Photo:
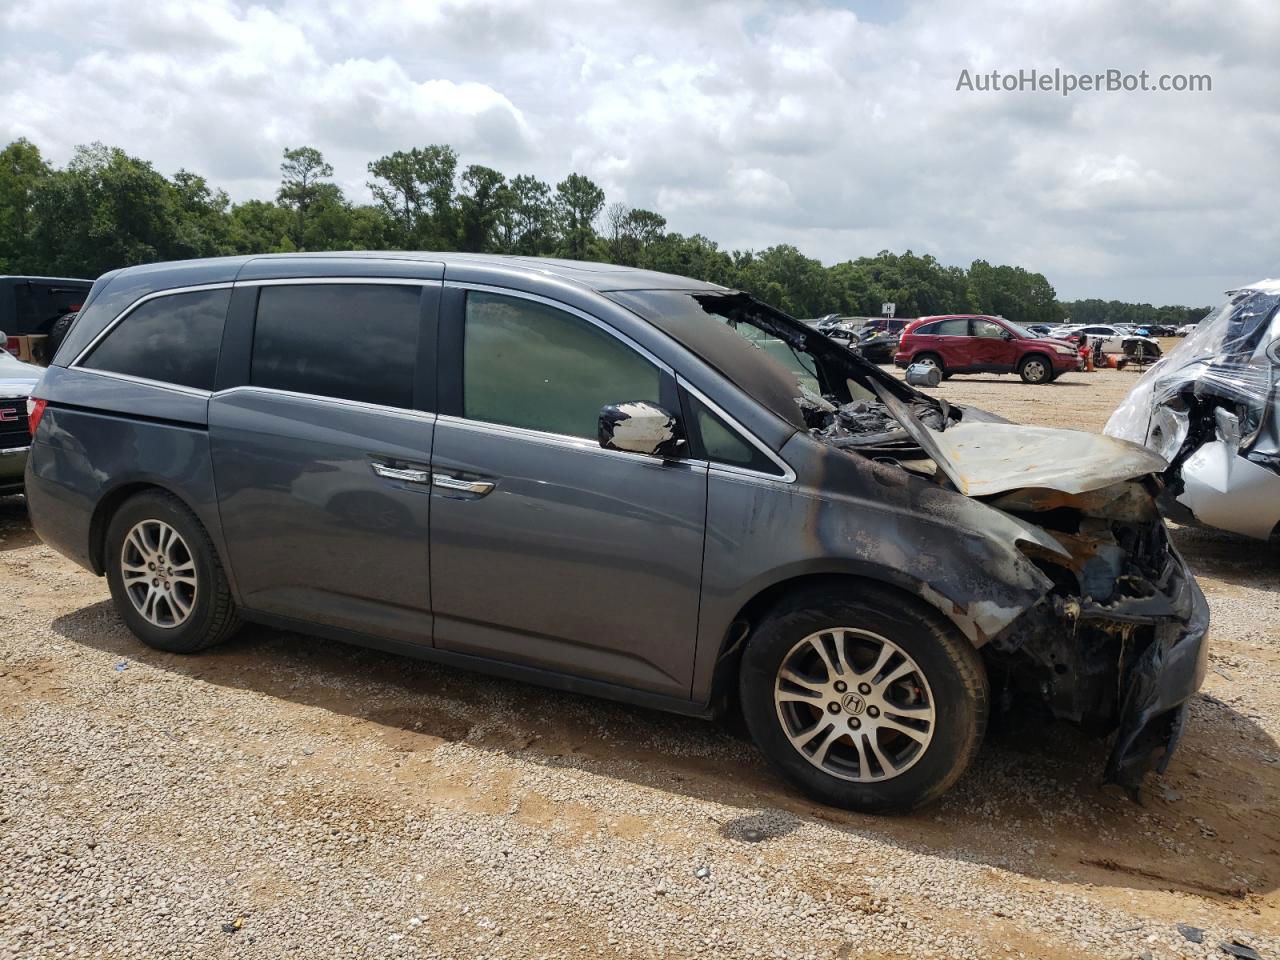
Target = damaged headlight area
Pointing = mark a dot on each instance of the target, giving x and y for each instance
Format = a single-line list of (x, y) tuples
[(1212, 409), (1118, 643)]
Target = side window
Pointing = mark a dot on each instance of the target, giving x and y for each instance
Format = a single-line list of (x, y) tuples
[(349, 341), (988, 329), (529, 365), (722, 444), (173, 339), (951, 328)]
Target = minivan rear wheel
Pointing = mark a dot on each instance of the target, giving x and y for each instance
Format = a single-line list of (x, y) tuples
[(165, 577), (869, 702)]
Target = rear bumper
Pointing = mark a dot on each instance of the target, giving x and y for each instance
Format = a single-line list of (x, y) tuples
[(13, 462), (1159, 683), (60, 514)]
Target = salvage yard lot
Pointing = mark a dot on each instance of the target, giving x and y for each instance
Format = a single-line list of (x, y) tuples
[(287, 796)]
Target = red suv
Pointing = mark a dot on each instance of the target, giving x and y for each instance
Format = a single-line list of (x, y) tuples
[(963, 343)]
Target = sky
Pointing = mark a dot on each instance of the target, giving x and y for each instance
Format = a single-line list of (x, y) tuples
[(837, 127)]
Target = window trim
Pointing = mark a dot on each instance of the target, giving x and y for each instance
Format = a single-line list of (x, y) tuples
[(582, 443), (426, 333), (123, 314), (408, 412), (666, 375), (788, 474), (608, 328)]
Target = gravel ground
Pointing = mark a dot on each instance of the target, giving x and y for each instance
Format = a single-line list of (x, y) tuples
[(286, 796)]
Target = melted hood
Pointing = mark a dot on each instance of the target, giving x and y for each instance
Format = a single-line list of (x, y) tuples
[(984, 459)]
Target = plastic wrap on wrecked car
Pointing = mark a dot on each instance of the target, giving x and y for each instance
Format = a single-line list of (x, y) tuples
[(1211, 408), (1230, 355)]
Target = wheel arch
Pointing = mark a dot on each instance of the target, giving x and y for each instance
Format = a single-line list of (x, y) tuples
[(723, 694), (107, 507), (1038, 355)]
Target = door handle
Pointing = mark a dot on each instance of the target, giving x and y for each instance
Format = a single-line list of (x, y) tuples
[(446, 482), (407, 474)]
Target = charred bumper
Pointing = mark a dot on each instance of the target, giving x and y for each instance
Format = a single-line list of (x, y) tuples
[(1161, 680), (1163, 655)]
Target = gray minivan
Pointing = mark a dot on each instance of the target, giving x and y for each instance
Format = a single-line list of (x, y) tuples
[(615, 482)]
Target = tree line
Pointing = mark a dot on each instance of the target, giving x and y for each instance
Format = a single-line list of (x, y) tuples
[(107, 209)]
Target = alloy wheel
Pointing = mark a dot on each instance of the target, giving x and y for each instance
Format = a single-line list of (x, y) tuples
[(854, 704), (158, 571)]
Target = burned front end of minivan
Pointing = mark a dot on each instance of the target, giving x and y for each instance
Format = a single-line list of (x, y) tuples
[(1212, 409), (1117, 640), (1044, 547)]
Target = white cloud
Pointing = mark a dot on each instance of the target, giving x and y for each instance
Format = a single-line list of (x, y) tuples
[(836, 127)]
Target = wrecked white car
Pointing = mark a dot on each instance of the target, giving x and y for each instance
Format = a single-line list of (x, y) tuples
[(1211, 408)]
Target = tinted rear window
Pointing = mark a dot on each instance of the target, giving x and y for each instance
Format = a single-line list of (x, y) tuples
[(349, 341), (173, 339)]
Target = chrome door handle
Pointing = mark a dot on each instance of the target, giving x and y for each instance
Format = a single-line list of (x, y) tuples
[(479, 487), (407, 474)]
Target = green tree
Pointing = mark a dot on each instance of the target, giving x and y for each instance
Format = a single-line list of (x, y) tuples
[(526, 221), (694, 256), (260, 226), (106, 209), (577, 204), (202, 227), (1013, 292), (399, 184), (22, 168), (480, 207), (303, 186)]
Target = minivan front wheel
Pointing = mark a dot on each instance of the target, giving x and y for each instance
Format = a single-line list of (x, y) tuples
[(165, 577), (866, 702)]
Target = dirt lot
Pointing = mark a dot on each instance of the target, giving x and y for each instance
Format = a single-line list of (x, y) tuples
[(286, 796)]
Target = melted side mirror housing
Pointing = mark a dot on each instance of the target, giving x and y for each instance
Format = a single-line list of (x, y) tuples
[(638, 427)]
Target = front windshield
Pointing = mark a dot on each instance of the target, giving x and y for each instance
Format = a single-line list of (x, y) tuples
[(800, 365), (771, 357)]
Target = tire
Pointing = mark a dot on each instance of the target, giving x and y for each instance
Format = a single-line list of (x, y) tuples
[(188, 606), (1035, 369), (58, 333), (942, 671), (933, 360)]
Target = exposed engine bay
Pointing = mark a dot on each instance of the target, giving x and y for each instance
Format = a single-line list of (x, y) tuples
[(1116, 640)]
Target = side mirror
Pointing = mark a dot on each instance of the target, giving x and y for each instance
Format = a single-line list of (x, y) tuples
[(638, 427), (1006, 335)]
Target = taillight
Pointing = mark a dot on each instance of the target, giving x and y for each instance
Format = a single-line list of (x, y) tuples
[(13, 345), (35, 410)]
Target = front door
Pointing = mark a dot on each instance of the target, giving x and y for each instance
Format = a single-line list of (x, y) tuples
[(321, 458), (546, 549), (990, 347)]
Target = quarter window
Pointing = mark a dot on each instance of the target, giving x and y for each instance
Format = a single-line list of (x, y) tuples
[(722, 444), (526, 364), (173, 339), (349, 341)]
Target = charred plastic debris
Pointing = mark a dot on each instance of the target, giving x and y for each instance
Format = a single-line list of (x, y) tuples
[(1211, 408), (1116, 640)]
